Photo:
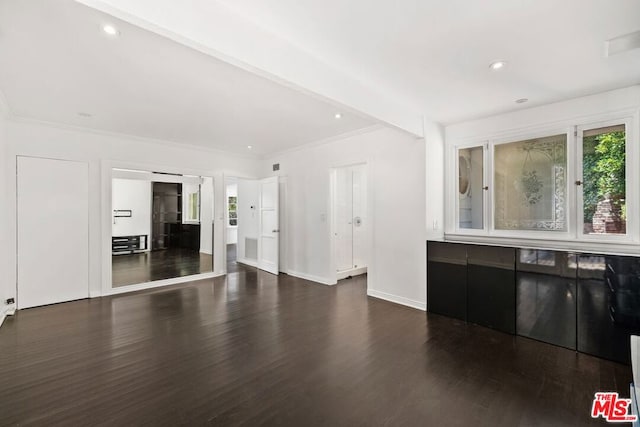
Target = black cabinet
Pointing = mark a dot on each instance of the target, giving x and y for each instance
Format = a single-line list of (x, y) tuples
[(588, 302), (608, 305), (491, 290), (546, 296), (128, 244), (447, 278)]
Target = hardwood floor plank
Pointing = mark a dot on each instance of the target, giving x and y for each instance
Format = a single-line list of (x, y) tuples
[(255, 349)]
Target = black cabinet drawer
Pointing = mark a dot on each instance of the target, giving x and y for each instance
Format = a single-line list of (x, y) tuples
[(491, 294), (447, 279), (608, 305)]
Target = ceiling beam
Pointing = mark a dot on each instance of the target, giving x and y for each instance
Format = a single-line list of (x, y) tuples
[(212, 28)]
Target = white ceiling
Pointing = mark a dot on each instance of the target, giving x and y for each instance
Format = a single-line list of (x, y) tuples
[(435, 54), (395, 61), (56, 62)]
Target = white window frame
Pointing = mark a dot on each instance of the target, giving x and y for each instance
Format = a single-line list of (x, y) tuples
[(229, 212), (570, 191), (573, 239), (631, 176), (186, 205), (456, 166)]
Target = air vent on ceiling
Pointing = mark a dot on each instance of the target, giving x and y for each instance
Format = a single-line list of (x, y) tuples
[(276, 167)]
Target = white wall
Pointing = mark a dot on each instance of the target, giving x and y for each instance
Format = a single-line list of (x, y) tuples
[(207, 207), (434, 161), (396, 207), (103, 151), (557, 113), (133, 195), (248, 218), (232, 231), (7, 286)]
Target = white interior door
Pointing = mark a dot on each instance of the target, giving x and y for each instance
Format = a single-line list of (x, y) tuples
[(52, 231), (360, 221), (269, 227), (343, 211)]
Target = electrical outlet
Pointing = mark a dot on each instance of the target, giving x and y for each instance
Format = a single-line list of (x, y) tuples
[(10, 301)]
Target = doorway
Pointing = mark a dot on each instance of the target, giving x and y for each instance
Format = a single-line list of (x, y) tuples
[(350, 220), (252, 223)]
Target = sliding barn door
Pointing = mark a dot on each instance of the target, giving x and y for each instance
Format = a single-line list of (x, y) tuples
[(52, 230)]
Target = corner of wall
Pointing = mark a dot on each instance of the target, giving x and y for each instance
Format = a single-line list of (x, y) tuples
[(434, 176)]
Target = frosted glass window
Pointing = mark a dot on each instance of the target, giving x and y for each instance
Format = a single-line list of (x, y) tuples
[(530, 184), (470, 188), (604, 191)]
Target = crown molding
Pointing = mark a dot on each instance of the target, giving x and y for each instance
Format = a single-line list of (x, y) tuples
[(119, 135)]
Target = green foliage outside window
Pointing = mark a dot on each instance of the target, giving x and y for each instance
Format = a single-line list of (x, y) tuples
[(604, 171)]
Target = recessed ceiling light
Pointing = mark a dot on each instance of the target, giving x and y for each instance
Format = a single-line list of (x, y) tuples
[(498, 65), (521, 100), (249, 147), (338, 116), (111, 30)]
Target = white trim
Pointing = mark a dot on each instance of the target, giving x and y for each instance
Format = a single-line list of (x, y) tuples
[(120, 135), (107, 172), (455, 192), (570, 153), (631, 179), (352, 272), (8, 310), (572, 238), (247, 262), (158, 284), (573, 245), (368, 165), (397, 299), (312, 278)]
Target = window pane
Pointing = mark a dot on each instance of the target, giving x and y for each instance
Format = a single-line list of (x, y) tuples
[(193, 206), (531, 184), (470, 182), (604, 182)]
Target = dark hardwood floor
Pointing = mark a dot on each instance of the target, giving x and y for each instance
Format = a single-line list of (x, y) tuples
[(232, 265), (255, 349), (130, 269)]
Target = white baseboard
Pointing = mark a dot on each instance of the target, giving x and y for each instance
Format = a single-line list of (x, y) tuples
[(353, 272), (397, 299), (160, 283), (8, 310), (248, 262), (311, 277)]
